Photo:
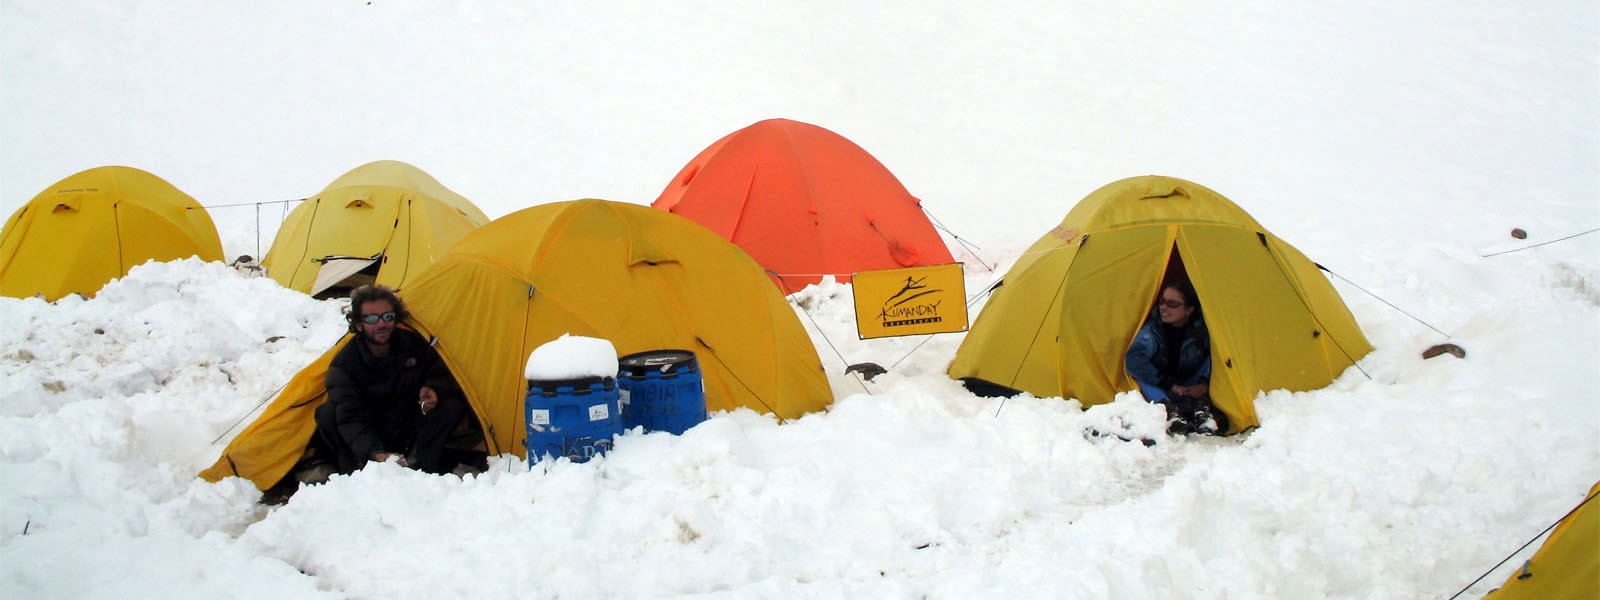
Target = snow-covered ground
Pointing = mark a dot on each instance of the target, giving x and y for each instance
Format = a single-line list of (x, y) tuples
[(1394, 143)]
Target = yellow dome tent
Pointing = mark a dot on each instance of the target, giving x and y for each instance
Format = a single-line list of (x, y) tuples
[(1061, 322), (642, 278), (382, 222), (92, 227)]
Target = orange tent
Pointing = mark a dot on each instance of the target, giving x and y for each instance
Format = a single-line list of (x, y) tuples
[(804, 202)]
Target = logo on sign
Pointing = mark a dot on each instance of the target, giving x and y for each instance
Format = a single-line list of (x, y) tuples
[(914, 304)]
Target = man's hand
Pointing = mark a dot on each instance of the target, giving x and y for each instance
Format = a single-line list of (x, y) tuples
[(427, 399), (399, 459)]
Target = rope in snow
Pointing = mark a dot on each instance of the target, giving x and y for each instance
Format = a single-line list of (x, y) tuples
[(250, 203), (782, 275), (1524, 546), (1284, 270), (971, 249), (251, 412), (913, 350), (970, 301), (1380, 298), (986, 291), (823, 334), (262, 402), (1540, 244), (896, 363), (735, 374), (285, 204)]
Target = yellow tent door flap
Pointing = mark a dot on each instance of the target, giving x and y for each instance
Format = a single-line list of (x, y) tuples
[(336, 270)]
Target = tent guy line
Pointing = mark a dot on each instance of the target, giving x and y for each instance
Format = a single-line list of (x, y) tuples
[(818, 328), (1525, 545), (1380, 298), (257, 206), (973, 248), (258, 405), (209, 207), (1541, 243)]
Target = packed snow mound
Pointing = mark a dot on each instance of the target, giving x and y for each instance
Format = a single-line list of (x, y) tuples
[(184, 323)]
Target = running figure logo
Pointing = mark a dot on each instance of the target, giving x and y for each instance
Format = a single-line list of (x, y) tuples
[(899, 309)]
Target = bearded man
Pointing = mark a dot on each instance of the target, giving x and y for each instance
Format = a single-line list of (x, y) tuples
[(390, 395)]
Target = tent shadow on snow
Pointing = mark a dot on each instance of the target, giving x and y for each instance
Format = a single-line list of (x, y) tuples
[(642, 278), (804, 202), (1061, 321), (382, 222), (91, 227)]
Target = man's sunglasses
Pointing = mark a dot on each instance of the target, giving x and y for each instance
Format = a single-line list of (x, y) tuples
[(387, 317), (1163, 302)]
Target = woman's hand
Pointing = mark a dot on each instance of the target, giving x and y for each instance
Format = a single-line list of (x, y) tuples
[(1193, 391)]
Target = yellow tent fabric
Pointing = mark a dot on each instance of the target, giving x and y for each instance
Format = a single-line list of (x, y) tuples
[(644, 279), (1061, 322), (385, 210), (1567, 565), (92, 227)]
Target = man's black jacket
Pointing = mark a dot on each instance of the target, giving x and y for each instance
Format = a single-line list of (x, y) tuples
[(375, 399)]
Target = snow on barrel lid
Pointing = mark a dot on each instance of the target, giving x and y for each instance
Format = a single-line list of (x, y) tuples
[(572, 357)]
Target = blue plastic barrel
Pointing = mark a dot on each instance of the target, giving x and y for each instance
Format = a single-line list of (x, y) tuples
[(576, 418), (662, 391)]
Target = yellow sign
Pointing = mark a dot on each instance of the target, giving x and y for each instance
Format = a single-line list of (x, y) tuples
[(910, 301)]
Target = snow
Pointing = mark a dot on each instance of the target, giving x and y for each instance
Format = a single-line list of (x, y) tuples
[(1395, 143), (571, 357)]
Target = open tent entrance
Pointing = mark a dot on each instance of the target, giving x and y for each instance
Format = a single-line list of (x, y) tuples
[(1175, 273), (464, 448), (983, 388), (341, 274)]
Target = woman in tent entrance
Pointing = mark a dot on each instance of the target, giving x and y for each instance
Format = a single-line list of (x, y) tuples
[(1171, 361)]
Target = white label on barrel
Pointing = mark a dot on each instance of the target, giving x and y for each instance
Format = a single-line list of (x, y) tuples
[(599, 412), (541, 417)]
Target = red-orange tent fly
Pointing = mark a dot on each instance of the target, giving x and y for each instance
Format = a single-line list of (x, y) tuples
[(804, 202)]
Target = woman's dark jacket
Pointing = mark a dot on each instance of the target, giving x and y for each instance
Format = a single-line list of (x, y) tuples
[(1147, 357)]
